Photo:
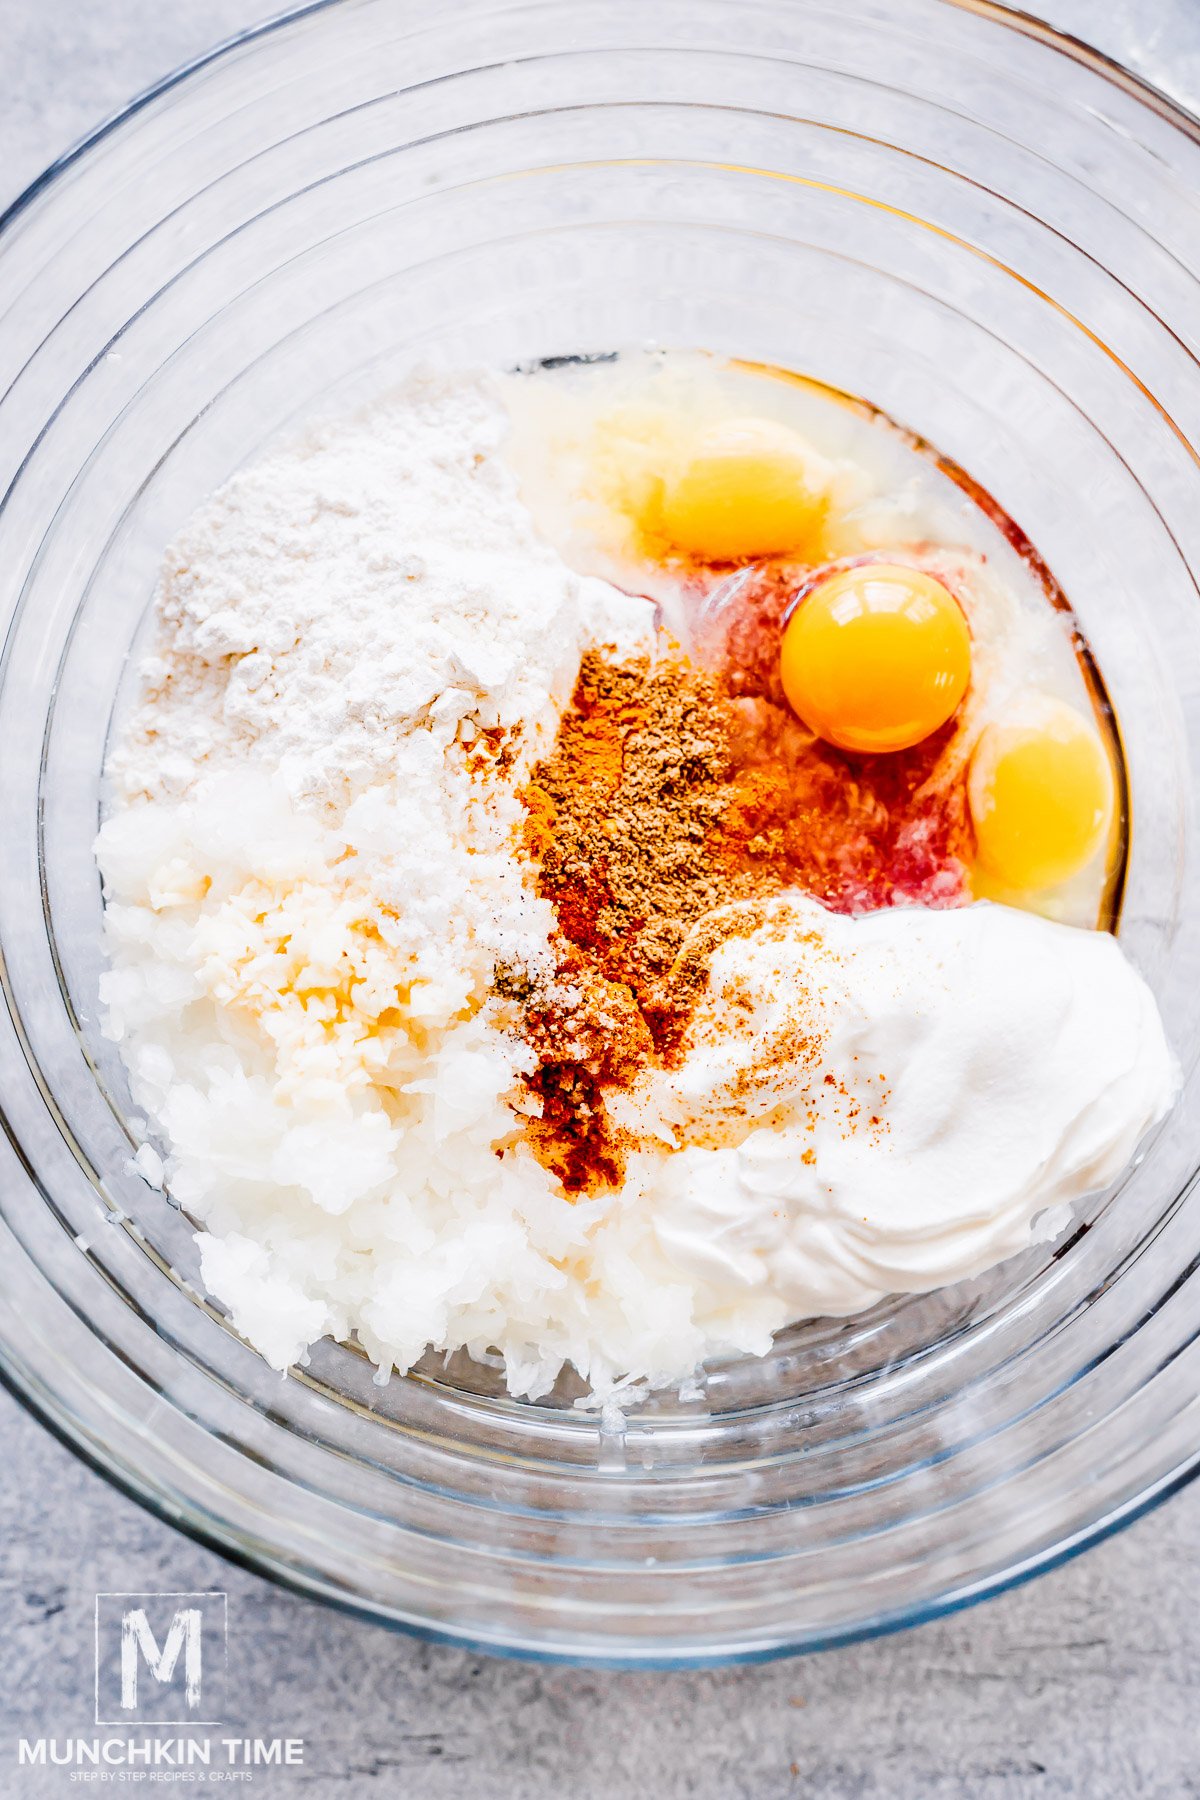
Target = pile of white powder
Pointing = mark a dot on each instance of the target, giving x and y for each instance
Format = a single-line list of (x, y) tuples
[(311, 877)]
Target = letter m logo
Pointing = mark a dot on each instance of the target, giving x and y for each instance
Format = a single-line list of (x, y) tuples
[(138, 1644), (160, 1658)]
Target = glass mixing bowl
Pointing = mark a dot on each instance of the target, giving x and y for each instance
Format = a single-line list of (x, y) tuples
[(986, 230)]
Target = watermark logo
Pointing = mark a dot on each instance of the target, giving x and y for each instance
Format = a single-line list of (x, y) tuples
[(161, 1658), (160, 1663)]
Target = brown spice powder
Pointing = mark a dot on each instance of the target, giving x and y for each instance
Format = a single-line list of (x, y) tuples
[(625, 819), (623, 816)]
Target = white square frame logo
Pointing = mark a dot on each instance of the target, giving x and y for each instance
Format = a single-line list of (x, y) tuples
[(209, 1595)]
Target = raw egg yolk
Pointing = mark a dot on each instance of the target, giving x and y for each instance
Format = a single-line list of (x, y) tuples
[(876, 657), (1040, 789), (744, 488)]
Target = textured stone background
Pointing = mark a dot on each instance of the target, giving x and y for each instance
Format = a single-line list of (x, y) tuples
[(1084, 1684)]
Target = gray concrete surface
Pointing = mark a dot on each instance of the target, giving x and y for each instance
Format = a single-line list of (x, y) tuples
[(1084, 1684)]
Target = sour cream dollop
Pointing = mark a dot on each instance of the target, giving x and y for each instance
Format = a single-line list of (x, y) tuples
[(889, 1103)]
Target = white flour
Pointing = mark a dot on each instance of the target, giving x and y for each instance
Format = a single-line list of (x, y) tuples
[(311, 877), (378, 576)]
